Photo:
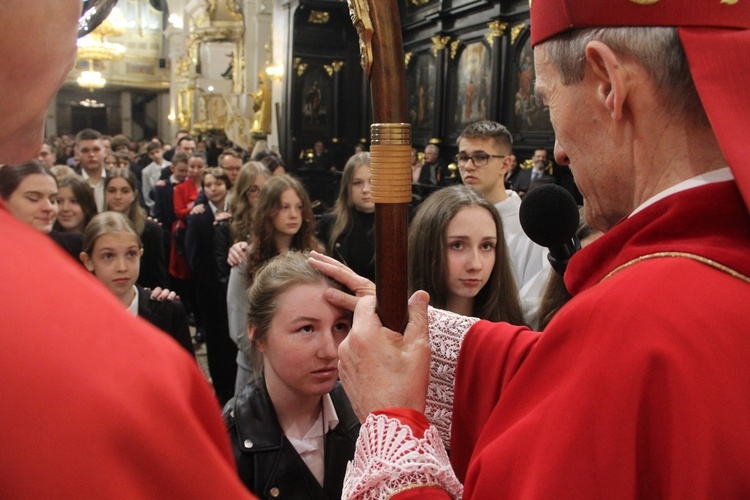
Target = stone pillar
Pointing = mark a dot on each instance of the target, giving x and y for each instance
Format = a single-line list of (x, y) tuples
[(126, 114), (177, 62), (50, 126), (163, 124)]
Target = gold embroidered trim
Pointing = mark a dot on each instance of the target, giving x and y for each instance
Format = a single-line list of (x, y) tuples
[(414, 486), (691, 256)]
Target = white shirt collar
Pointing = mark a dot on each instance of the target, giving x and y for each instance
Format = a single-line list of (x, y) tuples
[(721, 175), (85, 174), (133, 307), (311, 448), (215, 209)]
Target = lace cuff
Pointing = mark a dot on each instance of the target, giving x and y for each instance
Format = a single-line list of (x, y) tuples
[(447, 331), (389, 459)]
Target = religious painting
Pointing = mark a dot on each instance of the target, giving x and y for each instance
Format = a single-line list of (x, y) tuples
[(316, 102), (420, 84), (529, 114), (470, 86)]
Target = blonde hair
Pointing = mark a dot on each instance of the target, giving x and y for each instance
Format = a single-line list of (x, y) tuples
[(239, 206), (344, 207), (106, 223)]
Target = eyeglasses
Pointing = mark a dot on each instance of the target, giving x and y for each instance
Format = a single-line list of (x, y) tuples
[(93, 14), (479, 159)]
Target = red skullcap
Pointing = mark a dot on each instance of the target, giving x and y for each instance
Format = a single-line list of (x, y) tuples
[(716, 37)]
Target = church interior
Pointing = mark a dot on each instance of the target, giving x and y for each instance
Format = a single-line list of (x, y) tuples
[(289, 72)]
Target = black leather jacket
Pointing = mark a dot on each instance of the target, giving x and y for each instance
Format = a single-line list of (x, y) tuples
[(267, 462)]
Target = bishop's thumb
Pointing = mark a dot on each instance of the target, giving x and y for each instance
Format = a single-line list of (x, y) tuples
[(417, 329)]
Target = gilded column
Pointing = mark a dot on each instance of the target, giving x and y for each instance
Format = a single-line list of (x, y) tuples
[(499, 49)]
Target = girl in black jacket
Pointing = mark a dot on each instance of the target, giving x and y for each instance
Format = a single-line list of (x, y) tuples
[(347, 231), (112, 252), (292, 427), (121, 195)]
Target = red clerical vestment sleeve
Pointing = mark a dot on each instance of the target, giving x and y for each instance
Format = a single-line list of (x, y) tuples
[(97, 403), (494, 354)]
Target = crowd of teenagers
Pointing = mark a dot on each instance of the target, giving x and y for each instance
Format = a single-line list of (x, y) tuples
[(232, 242)]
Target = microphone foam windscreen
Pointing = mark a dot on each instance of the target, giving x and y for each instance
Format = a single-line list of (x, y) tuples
[(549, 215)]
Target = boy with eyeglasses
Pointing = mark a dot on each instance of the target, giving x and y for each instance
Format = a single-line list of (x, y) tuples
[(483, 159)]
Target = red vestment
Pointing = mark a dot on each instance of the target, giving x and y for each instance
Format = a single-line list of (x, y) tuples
[(96, 403), (640, 386)]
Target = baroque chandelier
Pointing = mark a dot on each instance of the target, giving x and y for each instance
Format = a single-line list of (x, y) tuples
[(95, 47)]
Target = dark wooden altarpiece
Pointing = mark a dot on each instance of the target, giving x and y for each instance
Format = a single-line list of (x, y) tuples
[(465, 60)]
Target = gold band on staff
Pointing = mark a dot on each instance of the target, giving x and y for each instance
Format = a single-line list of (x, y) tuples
[(390, 160)]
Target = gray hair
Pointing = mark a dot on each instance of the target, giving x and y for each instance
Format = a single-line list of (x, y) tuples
[(658, 50)]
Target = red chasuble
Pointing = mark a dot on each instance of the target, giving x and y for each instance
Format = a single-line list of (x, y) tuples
[(96, 403), (640, 386)]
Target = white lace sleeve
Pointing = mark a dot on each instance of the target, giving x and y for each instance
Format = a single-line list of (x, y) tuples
[(390, 459), (447, 331)]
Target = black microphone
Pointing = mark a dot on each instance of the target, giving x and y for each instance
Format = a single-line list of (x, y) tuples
[(549, 217)]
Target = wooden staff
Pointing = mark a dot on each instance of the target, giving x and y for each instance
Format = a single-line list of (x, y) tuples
[(382, 56)]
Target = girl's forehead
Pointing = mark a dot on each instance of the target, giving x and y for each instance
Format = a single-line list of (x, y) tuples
[(117, 237), (119, 181), (308, 295)]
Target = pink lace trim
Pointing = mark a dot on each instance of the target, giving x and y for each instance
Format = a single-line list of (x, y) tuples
[(390, 459)]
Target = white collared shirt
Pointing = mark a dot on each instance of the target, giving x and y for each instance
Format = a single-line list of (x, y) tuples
[(528, 261), (216, 210), (311, 448), (133, 307), (98, 188)]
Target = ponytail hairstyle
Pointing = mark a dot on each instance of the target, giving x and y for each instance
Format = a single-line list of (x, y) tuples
[(275, 277)]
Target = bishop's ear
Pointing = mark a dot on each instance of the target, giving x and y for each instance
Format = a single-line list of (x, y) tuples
[(610, 77)]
